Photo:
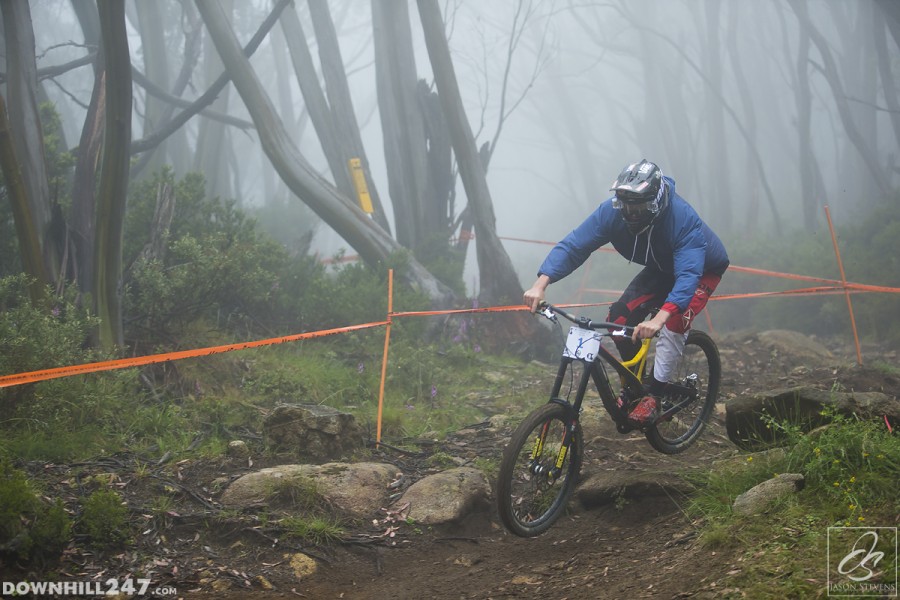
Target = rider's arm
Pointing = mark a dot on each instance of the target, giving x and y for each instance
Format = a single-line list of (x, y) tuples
[(535, 295), (571, 252), (647, 329)]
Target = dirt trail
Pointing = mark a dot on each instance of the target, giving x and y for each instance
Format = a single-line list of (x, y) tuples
[(640, 546)]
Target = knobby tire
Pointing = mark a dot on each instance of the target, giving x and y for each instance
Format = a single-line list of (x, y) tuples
[(528, 502), (700, 357)]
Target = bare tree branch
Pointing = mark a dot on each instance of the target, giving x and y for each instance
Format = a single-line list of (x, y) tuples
[(153, 140)]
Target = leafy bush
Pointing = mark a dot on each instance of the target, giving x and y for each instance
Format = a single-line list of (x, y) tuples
[(216, 267), (222, 269), (851, 463), (105, 519), (851, 468), (29, 528), (52, 419)]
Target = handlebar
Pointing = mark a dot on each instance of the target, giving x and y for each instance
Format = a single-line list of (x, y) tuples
[(550, 311)]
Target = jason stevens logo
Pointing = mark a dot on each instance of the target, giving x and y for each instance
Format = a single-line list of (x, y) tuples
[(862, 561)]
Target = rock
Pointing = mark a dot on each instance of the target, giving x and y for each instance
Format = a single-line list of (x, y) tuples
[(608, 487), (801, 405), (796, 349), (446, 497), (319, 433), (759, 497), (357, 490), (237, 449), (495, 377)]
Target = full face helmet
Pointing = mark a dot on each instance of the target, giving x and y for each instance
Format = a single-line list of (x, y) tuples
[(640, 194)]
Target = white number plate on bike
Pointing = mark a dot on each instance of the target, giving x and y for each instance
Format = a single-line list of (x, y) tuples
[(582, 344)]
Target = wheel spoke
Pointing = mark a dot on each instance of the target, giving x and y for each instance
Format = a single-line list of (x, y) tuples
[(532, 492), (698, 374)]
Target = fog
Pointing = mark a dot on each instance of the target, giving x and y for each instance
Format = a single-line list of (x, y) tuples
[(719, 94)]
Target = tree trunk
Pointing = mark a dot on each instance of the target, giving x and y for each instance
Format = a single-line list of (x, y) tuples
[(803, 102), (208, 97), (499, 281), (715, 121), (832, 77), (346, 128), (156, 68), (26, 233), (364, 235), (82, 216), (316, 102), (885, 70), (751, 213), (213, 138), (402, 123), (113, 187), (25, 126), (890, 10)]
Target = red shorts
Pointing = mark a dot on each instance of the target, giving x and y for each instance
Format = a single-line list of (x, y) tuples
[(649, 289), (680, 323)]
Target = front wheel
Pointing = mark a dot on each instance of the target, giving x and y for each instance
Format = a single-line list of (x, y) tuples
[(698, 375), (536, 477)]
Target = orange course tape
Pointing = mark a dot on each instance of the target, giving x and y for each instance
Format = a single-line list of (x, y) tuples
[(834, 287), (20, 378)]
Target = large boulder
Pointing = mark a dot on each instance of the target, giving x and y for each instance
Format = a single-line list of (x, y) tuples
[(314, 432), (793, 349), (446, 497), (608, 487), (748, 418), (356, 490)]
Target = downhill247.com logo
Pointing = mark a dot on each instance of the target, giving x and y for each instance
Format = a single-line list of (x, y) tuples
[(110, 587)]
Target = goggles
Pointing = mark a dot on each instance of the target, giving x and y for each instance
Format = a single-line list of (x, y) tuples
[(635, 207)]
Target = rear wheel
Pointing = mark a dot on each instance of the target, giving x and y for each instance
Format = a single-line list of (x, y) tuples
[(534, 486), (698, 374)]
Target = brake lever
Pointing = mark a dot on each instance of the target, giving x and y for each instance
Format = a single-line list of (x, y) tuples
[(549, 314)]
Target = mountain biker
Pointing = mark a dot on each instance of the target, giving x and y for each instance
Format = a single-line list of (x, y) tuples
[(647, 222)]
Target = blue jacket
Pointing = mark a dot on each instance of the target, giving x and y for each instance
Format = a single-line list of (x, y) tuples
[(678, 243)]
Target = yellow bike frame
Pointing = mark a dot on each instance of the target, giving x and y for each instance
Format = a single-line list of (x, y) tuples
[(636, 364)]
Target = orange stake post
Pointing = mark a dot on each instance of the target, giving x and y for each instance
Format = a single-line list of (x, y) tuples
[(384, 358), (840, 263)]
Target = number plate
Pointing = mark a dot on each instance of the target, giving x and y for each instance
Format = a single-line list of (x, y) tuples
[(582, 344)]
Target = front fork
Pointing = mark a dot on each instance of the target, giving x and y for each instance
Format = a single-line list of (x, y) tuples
[(538, 467)]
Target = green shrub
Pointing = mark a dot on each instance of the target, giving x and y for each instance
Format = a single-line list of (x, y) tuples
[(851, 467), (104, 519), (852, 464), (29, 528), (50, 419)]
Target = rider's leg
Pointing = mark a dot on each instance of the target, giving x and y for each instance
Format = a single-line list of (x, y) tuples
[(669, 349), (647, 290), (674, 334)]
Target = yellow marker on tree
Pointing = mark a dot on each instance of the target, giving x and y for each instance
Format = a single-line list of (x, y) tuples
[(359, 182)]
